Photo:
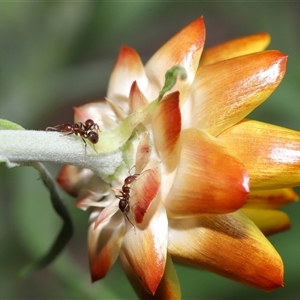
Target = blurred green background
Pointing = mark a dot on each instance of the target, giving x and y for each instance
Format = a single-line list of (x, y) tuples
[(57, 55)]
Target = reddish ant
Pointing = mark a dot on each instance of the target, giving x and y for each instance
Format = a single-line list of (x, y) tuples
[(87, 130), (124, 204)]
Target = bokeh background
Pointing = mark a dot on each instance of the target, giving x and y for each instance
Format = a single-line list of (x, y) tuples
[(57, 55)]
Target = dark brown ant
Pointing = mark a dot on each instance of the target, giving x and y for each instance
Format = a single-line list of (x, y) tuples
[(124, 204), (87, 130)]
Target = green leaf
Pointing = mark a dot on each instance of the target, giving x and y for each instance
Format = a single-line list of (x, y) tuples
[(5, 124), (171, 78)]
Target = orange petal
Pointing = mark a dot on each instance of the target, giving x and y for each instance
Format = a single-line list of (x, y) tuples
[(168, 288), (225, 92), (183, 49), (236, 47), (267, 220), (208, 179), (146, 249), (166, 123), (144, 191), (229, 245), (128, 68), (136, 98), (270, 199), (104, 245), (270, 153)]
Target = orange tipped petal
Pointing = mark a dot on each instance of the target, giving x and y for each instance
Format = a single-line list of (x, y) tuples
[(166, 125), (128, 68), (133, 279), (87, 198), (236, 47), (104, 245), (225, 92), (270, 153), (142, 153), (267, 220), (72, 179), (229, 245), (270, 199), (208, 180), (146, 249), (183, 49), (144, 192), (136, 98), (107, 213), (119, 110), (168, 288), (98, 111)]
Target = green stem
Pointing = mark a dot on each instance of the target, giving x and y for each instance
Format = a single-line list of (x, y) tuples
[(19, 146), (67, 229)]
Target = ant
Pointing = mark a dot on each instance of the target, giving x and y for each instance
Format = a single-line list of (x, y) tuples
[(124, 204), (87, 130)]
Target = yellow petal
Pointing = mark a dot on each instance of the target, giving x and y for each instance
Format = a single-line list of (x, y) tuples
[(270, 199), (166, 124), (267, 220), (225, 92), (128, 68), (104, 245), (229, 245), (270, 153), (183, 49), (168, 288), (146, 249), (208, 179), (236, 47)]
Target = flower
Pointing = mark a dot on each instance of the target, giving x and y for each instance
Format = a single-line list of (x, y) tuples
[(207, 182)]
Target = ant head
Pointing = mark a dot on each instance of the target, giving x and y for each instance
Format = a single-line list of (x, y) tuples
[(89, 123)]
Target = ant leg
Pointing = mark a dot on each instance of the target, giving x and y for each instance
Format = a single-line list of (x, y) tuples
[(97, 128), (94, 148), (55, 128), (130, 169), (129, 220), (67, 133)]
